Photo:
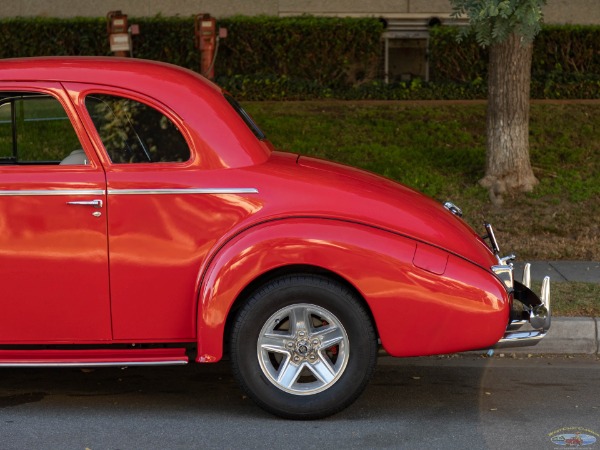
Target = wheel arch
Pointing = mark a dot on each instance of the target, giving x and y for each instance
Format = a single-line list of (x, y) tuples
[(291, 269), (336, 249)]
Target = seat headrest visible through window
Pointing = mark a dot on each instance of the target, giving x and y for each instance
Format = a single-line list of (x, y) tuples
[(75, 157)]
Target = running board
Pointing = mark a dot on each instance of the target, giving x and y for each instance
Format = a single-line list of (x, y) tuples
[(93, 357)]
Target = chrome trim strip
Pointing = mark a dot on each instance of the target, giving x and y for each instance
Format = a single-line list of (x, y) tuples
[(506, 259), (527, 276), (215, 191), (50, 192), (516, 325), (492, 238), (545, 298), (54, 192), (520, 338), (505, 273), (95, 364)]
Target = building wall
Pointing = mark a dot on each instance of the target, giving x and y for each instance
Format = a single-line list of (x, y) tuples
[(139, 8), (557, 11)]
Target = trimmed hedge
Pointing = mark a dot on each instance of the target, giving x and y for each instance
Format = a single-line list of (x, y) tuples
[(330, 51), (48, 37), (270, 58), (168, 39), (563, 49), (162, 39), (251, 87)]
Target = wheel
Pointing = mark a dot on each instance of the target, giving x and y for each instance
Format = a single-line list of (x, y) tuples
[(303, 347)]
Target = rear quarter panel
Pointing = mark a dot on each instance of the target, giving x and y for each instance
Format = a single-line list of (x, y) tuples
[(415, 311)]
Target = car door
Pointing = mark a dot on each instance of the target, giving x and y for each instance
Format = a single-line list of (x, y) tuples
[(165, 211), (53, 230), (155, 234)]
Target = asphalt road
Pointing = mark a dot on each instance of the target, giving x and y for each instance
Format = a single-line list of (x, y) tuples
[(418, 403)]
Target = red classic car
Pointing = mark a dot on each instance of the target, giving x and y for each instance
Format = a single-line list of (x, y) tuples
[(146, 220)]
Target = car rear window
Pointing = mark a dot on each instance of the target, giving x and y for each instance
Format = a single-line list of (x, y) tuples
[(133, 132)]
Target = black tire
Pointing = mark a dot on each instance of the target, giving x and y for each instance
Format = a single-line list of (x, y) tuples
[(303, 376)]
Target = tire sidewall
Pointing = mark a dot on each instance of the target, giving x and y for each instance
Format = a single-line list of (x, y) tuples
[(309, 290)]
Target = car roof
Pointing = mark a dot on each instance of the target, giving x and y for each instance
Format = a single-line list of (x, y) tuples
[(94, 69), (180, 89)]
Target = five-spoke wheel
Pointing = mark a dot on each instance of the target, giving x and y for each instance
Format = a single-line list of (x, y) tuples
[(303, 346), (303, 349)]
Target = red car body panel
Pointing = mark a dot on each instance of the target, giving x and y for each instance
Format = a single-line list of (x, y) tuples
[(379, 266), (170, 267), (52, 256)]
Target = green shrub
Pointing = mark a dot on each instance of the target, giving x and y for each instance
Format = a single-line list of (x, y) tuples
[(168, 39), (302, 58), (563, 49), (567, 49), (328, 51), (49, 37), (453, 62)]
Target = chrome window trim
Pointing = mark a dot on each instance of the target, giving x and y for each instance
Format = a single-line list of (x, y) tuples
[(183, 191), (49, 192)]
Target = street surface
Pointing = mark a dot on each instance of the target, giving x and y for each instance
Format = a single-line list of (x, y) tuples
[(418, 403)]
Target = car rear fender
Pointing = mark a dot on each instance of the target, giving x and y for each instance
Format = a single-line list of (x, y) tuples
[(379, 265)]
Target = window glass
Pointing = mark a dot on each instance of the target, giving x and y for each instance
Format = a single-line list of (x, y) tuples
[(6, 132), (35, 129), (133, 132)]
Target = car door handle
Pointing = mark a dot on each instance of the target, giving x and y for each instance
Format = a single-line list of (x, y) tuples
[(94, 203)]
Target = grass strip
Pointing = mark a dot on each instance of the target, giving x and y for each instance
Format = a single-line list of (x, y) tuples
[(439, 148), (573, 299)]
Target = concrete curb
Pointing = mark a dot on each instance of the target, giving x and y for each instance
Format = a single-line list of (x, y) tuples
[(567, 335)]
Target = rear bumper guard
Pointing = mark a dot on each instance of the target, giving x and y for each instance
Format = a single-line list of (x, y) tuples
[(529, 311)]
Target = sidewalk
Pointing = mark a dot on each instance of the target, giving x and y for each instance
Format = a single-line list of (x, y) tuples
[(567, 335), (585, 271)]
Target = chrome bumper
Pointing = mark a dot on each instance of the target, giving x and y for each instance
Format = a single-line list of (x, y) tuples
[(536, 313)]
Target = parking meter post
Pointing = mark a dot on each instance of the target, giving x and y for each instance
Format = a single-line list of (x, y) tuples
[(205, 30), (119, 34), (133, 30)]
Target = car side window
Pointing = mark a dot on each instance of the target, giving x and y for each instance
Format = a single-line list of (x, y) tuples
[(35, 129), (133, 132)]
